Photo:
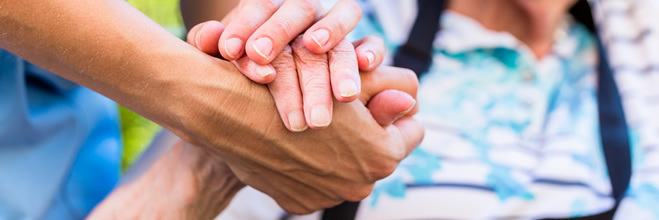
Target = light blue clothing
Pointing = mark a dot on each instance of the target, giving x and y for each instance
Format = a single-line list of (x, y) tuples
[(60, 144)]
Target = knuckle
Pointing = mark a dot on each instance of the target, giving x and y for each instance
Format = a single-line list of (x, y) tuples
[(343, 47), (358, 193), (409, 76), (268, 5), (298, 45), (287, 51), (284, 59), (307, 59), (308, 8), (353, 6), (342, 28), (383, 169), (289, 91), (375, 40), (316, 85), (283, 27)]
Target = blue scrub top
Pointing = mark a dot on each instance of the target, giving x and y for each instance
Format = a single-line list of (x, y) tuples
[(60, 145)]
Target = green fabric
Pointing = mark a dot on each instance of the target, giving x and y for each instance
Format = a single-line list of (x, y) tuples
[(137, 131)]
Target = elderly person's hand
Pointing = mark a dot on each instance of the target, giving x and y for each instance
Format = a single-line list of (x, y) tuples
[(185, 183), (309, 101)]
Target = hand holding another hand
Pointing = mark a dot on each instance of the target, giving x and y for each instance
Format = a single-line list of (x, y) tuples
[(312, 170)]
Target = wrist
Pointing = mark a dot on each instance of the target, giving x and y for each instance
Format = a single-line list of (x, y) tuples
[(185, 183)]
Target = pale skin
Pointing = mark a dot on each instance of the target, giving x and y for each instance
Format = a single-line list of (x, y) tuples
[(252, 21), (531, 21), (110, 47)]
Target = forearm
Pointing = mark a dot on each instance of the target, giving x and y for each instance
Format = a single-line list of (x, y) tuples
[(197, 11), (107, 46), (185, 183)]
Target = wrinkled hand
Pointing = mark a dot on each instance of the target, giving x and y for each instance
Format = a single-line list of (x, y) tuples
[(309, 101), (309, 170), (185, 183)]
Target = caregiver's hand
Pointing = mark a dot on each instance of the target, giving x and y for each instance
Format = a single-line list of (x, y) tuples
[(305, 81), (314, 169)]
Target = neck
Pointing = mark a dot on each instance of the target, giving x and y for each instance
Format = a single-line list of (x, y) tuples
[(532, 22)]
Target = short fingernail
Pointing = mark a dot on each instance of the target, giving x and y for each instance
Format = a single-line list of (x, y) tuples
[(296, 121), (320, 36), (348, 88), (403, 113), (198, 37), (320, 116), (370, 56), (263, 46), (233, 47), (264, 70)]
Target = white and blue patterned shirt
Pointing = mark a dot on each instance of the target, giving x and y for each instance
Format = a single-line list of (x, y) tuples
[(510, 136)]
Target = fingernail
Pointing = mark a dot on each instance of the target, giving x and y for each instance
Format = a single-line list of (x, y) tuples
[(320, 116), (198, 37), (264, 70), (296, 121), (320, 36), (263, 46), (370, 56), (403, 113), (233, 47), (348, 88)]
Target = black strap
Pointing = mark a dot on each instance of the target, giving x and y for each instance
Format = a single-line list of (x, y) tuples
[(613, 129), (416, 54), (343, 211), (614, 134)]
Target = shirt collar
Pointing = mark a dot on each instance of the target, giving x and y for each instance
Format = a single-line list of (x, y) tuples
[(461, 33)]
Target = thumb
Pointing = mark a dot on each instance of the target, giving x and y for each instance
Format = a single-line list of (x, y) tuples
[(387, 78), (390, 105)]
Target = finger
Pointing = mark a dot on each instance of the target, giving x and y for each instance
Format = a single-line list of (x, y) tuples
[(248, 17), (286, 92), (289, 21), (313, 73), (204, 36), (385, 78), (344, 72), (229, 17), (333, 27), (370, 52), (263, 74), (390, 105), (409, 132)]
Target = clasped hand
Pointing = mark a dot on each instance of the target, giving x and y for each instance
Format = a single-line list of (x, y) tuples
[(305, 170)]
